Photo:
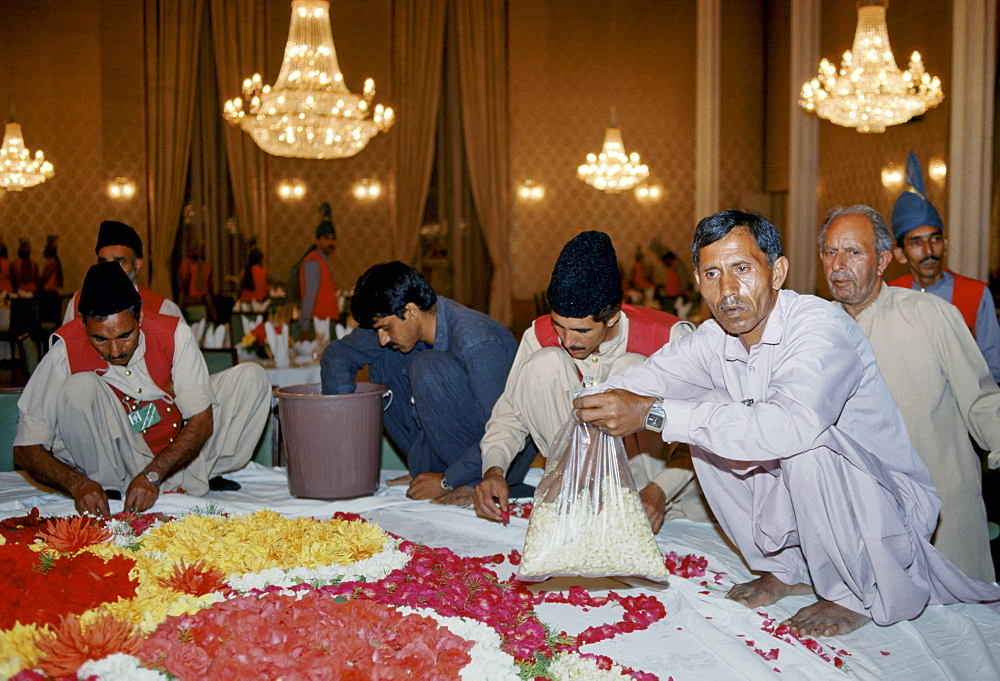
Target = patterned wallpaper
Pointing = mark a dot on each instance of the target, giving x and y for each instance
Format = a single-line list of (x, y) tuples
[(570, 63), (74, 72)]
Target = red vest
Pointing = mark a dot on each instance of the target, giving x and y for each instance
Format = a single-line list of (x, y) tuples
[(198, 274), (159, 333), (325, 305), (966, 295), (648, 330), (151, 302)]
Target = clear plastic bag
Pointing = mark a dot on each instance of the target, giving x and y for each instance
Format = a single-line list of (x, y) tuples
[(588, 519)]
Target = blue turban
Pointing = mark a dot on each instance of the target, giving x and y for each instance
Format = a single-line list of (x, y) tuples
[(585, 280), (912, 208)]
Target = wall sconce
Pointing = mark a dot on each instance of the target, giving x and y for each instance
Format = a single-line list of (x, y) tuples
[(367, 190), (648, 193), (121, 189), (530, 191), (937, 170), (892, 176), (292, 190)]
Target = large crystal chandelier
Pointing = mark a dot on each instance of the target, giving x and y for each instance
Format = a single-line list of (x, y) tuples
[(869, 91), (612, 170), (17, 169), (309, 112)]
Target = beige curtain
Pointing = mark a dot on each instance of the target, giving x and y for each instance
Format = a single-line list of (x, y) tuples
[(482, 54), (238, 40), (172, 28), (418, 40)]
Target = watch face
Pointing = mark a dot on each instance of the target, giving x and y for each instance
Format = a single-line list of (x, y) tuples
[(654, 422), (153, 477)]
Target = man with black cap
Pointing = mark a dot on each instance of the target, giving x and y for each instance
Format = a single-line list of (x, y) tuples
[(446, 366), (124, 403), (319, 290), (922, 247), (117, 242), (589, 336)]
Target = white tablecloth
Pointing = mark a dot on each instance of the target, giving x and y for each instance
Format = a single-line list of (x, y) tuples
[(704, 636)]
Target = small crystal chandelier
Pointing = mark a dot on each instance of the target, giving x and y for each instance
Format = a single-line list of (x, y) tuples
[(611, 170), (309, 112), (17, 169), (869, 92)]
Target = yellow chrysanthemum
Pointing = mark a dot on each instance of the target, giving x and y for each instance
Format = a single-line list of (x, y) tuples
[(264, 540), (18, 647)]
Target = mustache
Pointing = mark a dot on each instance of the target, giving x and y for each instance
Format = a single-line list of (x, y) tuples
[(841, 276), (929, 259), (730, 301)]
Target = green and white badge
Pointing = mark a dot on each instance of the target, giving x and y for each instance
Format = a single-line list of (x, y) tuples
[(144, 417)]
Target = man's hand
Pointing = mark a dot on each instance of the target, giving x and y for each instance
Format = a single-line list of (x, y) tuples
[(461, 496), (654, 502), (426, 486), (491, 495), (616, 412), (89, 497), (141, 494)]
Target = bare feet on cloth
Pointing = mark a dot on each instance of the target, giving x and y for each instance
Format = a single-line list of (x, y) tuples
[(462, 496), (401, 480), (765, 591), (825, 618)]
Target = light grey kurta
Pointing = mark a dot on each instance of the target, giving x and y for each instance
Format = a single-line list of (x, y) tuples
[(945, 391), (80, 420), (804, 457)]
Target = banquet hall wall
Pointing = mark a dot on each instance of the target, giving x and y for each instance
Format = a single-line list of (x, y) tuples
[(75, 72)]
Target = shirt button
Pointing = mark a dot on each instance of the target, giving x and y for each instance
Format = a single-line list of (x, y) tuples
[(138, 390), (168, 410), (128, 373), (753, 370)]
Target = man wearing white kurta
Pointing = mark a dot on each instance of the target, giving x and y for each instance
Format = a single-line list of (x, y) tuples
[(797, 442), (935, 371), (124, 402)]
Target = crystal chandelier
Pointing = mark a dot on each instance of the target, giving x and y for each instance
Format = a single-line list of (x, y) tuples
[(869, 92), (309, 112), (611, 170), (17, 169)]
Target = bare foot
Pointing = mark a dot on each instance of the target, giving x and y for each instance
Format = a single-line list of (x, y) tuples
[(825, 618), (463, 496), (401, 480), (765, 591)]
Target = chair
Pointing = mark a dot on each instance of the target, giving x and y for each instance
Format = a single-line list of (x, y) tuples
[(219, 359), (8, 426)]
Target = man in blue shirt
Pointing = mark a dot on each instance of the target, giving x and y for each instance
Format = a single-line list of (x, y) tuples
[(446, 366)]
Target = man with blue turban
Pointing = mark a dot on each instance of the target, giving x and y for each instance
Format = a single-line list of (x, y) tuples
[(922, 246)]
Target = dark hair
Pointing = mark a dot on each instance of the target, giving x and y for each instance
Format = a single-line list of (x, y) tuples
[(254, 258), (23, 249), (385, 289), (717, 227), (3, 250)]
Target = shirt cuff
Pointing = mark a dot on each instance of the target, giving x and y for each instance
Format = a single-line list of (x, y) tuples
[(31, 431), (495, 458)]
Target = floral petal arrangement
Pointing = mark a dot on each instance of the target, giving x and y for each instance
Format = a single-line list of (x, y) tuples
[(209, 595)]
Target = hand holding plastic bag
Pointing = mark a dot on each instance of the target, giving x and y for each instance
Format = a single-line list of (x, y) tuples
[(588, 519)]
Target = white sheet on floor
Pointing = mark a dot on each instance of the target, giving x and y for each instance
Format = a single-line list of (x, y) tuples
[(704, 636)]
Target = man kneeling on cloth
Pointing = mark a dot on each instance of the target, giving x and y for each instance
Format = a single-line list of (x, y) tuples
[(124, 403), (796, 440)]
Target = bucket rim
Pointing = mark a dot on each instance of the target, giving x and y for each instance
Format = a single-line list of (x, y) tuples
[(364, 389)]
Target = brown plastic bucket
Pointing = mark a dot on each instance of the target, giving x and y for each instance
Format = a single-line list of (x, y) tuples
[(333, 443)]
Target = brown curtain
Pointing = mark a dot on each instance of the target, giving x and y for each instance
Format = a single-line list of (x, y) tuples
[(173, 29), (238, 40), (418, 41), (482, 54)]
